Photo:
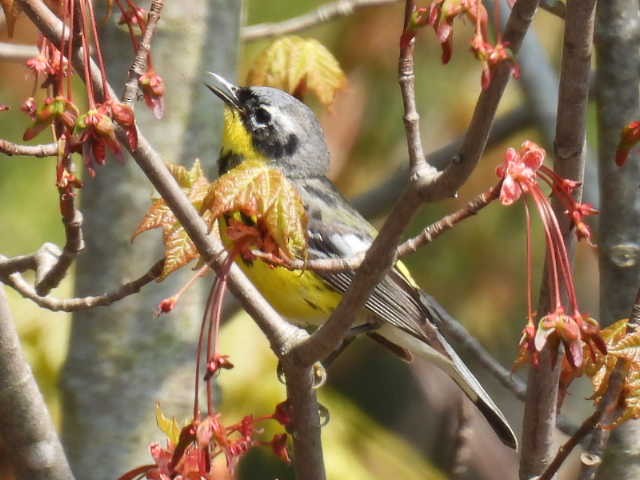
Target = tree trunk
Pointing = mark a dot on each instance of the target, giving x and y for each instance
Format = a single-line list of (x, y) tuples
[(618, 49), (122, 359)]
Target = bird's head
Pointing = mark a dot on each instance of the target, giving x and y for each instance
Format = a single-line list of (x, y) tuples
[(269, 124)]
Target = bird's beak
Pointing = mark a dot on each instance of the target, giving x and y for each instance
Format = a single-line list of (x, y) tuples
[(225, 90)]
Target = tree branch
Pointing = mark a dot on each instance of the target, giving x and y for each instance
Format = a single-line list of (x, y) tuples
[(377, 200), (456, 332), (324, 13), (475, 141), (18, 283), (381, 255), (606, 405), (540, 407), (27, 430), (411, 245), (72, 220), (279, 333), (139, 64), (10, 52), (44, 150)]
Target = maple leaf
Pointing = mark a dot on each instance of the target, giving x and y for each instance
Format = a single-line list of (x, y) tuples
[(297, 65), (622, 344), (266, 196), (11, 10), (179, 249)]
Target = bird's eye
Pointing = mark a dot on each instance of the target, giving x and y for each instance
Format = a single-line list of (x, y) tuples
[(262, 116)]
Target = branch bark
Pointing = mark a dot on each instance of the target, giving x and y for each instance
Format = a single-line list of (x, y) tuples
[(27, 429), (617, 79), (46, 150), (540, 406), (11, 52), (18, 283)]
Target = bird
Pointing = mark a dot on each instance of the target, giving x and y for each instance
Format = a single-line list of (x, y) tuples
[(268, 125)]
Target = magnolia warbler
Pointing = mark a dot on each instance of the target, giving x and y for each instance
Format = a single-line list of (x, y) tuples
[(267, 124)]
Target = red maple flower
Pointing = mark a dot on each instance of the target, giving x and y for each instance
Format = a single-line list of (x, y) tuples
[(152, 86), (94, 134), (521, 173)]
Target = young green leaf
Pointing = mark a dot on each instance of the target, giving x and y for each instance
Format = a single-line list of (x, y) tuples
[(297, 65), (273, 203), (179, 249)]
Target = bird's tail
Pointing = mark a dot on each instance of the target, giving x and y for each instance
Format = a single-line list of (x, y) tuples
[(452, 365)]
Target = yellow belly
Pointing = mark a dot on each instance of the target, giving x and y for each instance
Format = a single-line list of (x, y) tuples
[(302, 297)]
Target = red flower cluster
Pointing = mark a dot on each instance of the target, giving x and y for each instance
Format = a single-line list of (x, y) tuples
[(193, 453), (521, 172), (92, 133), (441, 14)]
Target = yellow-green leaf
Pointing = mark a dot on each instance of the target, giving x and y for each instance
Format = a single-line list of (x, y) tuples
[(297, 65), (628, 347), (159, 214), (186, 178), (168, 426), (268, 197), (179, 249)]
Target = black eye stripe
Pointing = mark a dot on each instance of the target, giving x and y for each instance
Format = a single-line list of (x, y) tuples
[(262, 116)]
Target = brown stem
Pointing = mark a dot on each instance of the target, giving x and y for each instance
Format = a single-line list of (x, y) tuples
[(307, 443), (380, 257)]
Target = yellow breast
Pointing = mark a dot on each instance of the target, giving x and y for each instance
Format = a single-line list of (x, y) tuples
[(303, 297)]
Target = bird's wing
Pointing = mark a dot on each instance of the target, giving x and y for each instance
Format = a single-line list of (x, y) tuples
[(337, 230)]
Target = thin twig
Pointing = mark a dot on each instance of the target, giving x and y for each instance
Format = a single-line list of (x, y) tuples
[(72, 220), (411, 245), (10, 52), (21, 263), (463, 440), (456, 332), (324, 13), (18, 283), (139, 65), (377, 200), (477, 134), (44, 150), (41, 261)]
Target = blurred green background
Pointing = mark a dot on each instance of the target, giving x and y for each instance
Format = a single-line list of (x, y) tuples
[(476, 271)]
